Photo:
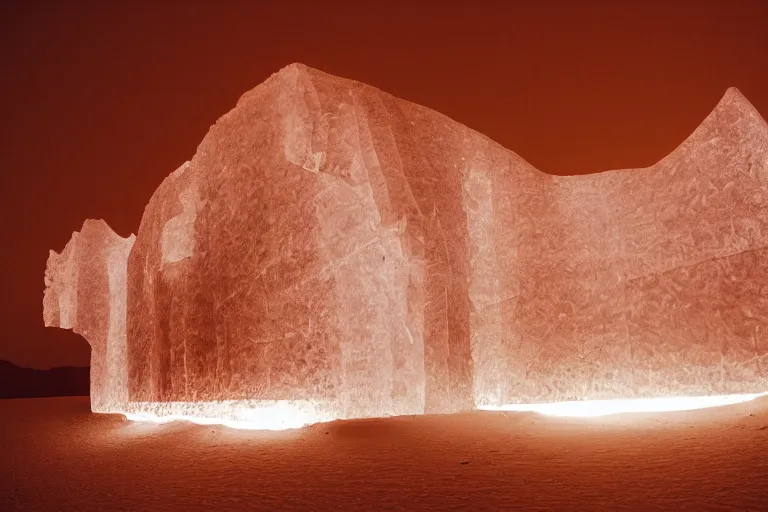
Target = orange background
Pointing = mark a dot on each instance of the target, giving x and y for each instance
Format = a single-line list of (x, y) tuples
[(102, 100)]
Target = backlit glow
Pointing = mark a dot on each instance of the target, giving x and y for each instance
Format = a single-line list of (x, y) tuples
[(291, 414), (593, 408), (249, 414)]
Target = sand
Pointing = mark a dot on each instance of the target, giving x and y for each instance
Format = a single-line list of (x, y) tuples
[(56, 455)]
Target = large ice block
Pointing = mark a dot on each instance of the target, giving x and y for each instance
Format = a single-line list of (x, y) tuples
[(335, 248)]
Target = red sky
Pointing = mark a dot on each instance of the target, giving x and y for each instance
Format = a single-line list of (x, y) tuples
[(102, 100)]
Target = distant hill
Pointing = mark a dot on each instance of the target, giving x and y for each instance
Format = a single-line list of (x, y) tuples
[(18, 382)]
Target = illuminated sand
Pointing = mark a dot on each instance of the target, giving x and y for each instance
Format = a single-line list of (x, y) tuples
[(331, 244), (56, 455), (283, 415), (243, 414), (592, 408)]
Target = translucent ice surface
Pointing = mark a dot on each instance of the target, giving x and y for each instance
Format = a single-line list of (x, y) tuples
[(330, 244)]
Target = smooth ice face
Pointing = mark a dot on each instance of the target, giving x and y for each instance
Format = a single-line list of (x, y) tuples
[(331, 245)]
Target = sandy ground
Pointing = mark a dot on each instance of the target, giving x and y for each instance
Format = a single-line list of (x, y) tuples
[(56, 455)]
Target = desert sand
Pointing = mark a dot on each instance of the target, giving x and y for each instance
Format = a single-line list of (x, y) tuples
[(57, 455)]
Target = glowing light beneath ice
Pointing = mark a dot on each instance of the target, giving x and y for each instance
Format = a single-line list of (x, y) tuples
[(593, 408), (278, 415), (284, 415)]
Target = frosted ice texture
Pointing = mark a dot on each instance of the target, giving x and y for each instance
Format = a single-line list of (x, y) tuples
[(86, 292), (334, 247)]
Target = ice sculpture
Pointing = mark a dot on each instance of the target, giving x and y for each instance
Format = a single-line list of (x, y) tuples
[(86, 292), (343, 253)]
